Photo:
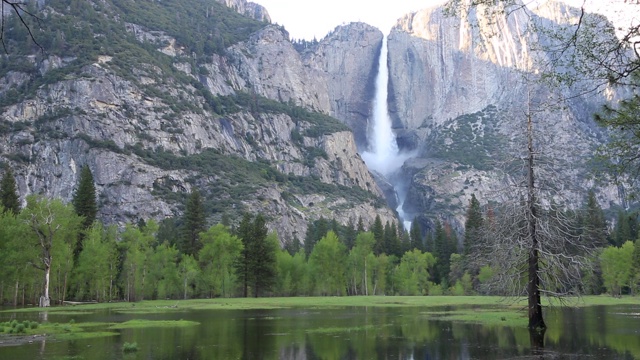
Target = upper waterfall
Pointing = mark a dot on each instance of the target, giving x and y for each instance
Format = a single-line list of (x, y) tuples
[(384, 156)]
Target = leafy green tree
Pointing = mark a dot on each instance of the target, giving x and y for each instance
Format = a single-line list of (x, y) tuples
[(163, 277), (218, 256), (15, 255), (327, 261), (96, 270), (189, 271), (616, 263), (413, 273), (194, 222), (137, 248), (360, 267), (9, 193), (54, 227)]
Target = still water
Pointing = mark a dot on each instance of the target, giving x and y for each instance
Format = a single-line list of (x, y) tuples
[(597, 332)]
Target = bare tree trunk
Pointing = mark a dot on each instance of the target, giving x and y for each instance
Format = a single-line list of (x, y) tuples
[(366, 287), (45, 301), (15, 295), (533, 289)]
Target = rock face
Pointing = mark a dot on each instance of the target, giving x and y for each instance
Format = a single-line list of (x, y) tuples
[(348, 58), (459, 91), (247, 8), (249, 127)]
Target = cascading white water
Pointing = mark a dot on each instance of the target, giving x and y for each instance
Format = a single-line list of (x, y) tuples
[(384, 156)]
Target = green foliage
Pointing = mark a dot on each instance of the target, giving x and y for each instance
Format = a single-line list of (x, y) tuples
[(471, 139), (193, 223), (328, 260), (130, 347), (256, 266), (84, 198), (473, 225), (218, 256), (9, 192), (617, 265), (412, 276)]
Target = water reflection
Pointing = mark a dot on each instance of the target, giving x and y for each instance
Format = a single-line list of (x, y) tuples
[(351, 333)]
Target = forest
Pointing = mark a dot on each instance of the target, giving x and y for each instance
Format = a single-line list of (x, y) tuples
[(61, 252)]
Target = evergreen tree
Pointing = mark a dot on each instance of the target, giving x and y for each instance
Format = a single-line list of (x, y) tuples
[(350, 235), (256, 266), (473, 225), (84, 198), (378, 234), (415, 234), (622, 230), (360, 226), (194, 222), (442, 254), (595, 225), (244, 232), (8, 193), (263, 264)]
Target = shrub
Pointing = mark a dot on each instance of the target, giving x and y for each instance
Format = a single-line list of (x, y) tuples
[(14, 323), (20, 328), (130, 347), (34, 325)]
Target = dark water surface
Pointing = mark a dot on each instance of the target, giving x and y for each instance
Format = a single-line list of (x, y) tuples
[(597, 332)]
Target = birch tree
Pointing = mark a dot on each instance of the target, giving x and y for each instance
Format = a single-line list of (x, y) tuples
[(53, 226)]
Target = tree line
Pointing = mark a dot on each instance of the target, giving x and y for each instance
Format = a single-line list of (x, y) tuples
[(52, 252)]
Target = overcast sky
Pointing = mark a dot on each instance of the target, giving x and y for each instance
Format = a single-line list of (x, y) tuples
[(308, 18)]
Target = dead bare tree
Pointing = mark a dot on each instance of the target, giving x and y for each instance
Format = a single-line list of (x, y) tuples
[(534, 248)]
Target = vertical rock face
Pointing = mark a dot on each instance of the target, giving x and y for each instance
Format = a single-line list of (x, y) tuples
[(348, 58)]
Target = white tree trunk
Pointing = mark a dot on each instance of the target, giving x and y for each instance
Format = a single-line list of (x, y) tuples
[(44, 300)]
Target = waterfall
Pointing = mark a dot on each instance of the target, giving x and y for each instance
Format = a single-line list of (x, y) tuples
[(384, 156)]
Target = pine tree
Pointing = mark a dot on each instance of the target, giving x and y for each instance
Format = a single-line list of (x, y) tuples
[(595, 225), (84, 204), (194, 222), (84, 198), (8, 193), (257, 263), (472, 225), (378, 234), (415, 234)]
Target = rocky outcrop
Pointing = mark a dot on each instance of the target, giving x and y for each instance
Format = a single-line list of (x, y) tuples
[(247, 8)]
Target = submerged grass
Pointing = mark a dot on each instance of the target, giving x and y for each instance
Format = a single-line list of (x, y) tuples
[(489, 310), (137, 324)]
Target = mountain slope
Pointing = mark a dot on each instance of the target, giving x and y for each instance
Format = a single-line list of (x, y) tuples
[(161, 97)]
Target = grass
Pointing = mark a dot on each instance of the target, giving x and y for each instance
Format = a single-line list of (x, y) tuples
[(137, 324), (489, 310)]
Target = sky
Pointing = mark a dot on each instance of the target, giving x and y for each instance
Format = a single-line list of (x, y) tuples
[(306, 19)]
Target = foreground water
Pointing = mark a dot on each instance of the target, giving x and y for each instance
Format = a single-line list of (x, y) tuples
[(597, 332)]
